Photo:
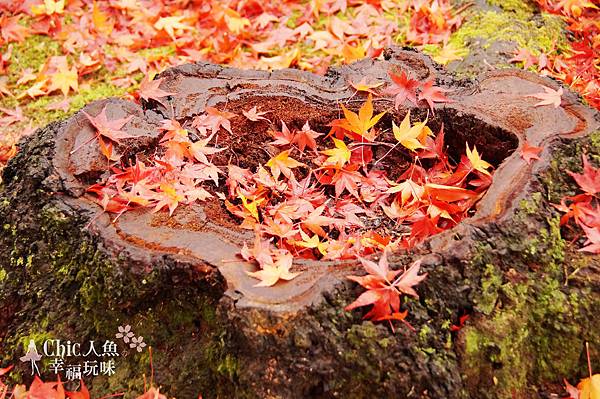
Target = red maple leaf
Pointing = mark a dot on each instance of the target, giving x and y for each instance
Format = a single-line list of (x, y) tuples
[(283, 137), (149, 89), (529, 153), (306, 138), (83, 393), (433, 94), (110, 129), (403, 87), (384, 288), (593, 239), (589, 180), (11, 30)]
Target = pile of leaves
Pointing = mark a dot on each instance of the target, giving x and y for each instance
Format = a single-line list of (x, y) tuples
[(320, 195), (584, 208), (579, 65)]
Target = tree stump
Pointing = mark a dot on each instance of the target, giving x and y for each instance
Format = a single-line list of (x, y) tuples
[(67, 271)]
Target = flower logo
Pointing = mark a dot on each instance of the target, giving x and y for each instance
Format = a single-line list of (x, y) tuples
[(125, 333), (137, 343)]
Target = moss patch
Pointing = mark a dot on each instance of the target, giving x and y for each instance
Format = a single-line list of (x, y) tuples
[(538, 314), (535, 34)]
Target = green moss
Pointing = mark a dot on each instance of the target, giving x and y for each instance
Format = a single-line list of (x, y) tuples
[(491, 282), (532, 331), (523, 8), (482, 28), (72, 277), (158, 52), (228, 366), (595, 142), (424, 333), (531, 205)]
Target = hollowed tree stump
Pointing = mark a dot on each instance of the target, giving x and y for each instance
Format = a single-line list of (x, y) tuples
[(179, 283)]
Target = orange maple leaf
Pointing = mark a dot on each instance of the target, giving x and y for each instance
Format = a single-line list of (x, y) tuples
[(360, 123)]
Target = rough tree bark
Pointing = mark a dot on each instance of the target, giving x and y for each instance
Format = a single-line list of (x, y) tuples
[(66, 271)]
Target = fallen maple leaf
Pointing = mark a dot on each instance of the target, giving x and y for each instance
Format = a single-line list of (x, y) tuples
[(282, 163), (548, 97), (366, 87), (149, 89), (306, 138), (11, 30), (593, 239), (49, 7), (360, 123), (283, 137), (353, 53), (213, 121), (589, 180), (433, 94), (171, 25), (111, 129), (254, 115), (383, 288), (101, 20), (339, 155), (64, 79), (403, 88), (272, 273), (529, 153), (408, 135), (476, 162), (107, 129), (152, 393)]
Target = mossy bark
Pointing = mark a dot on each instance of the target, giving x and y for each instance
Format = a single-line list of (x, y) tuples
[(57, 283)]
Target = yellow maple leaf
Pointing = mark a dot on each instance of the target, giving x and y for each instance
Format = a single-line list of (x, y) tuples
[(311, 242), (272, 273), (339, 155), (408, 189), (449, 53), (281, 61), (100, 20), (282, 163), (64, 79), (476, 162), (363, 85), (251, 207), (49, 7), (234, 21), (589, 388), (171, 25), (575, 7), (35, 90), (409, 136), (362, 122), (168, 196), (353, 53)]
